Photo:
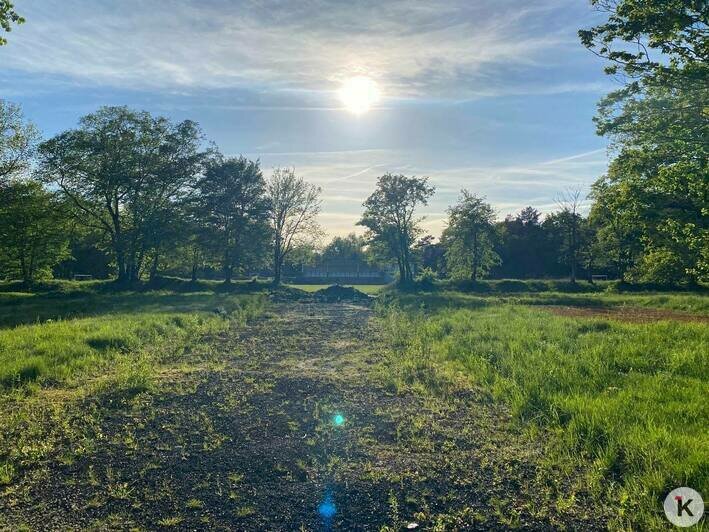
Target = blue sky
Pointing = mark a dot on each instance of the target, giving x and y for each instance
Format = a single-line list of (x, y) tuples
[(495, 96)]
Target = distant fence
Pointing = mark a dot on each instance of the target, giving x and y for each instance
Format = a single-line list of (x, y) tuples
[(340, 279)]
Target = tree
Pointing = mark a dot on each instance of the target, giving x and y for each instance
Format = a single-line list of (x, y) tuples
[(33, 226), (8, 16), (125, 172), (659, 127), (618, 235), (569, 221), (88, 253), (431, 255), (677, 29), (469, 237), (232, 202), (18, 140), (294, 207), (389, 216), (523, 247), (348, 248)]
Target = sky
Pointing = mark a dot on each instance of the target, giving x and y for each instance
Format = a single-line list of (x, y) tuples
[(494, 96)]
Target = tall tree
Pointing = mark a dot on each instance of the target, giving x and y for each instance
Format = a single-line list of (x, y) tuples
[(523, 247), (469, 237), (8, 16), (33, 229), (122, 171), (18, 140), (659, 127), (389, 216), (294, 207), (232, 201), (569, 224)]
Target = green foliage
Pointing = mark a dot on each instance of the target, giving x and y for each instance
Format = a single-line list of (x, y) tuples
[(33, 228), (629, 398), (125, 173), (653, 202), (524, 247), (349, 248), (389, 216), (18, 139), (676, 28), (469, 238), (8, 16), (232, 207)]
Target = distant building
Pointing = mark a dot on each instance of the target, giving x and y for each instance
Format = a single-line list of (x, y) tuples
[(344, 271)]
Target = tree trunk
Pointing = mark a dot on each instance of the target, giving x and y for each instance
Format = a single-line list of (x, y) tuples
[(154, 266), (574, 250), (121, 263), (277, 273), (277, 261), (475, 258), (194, 266), (226, 266), (402, 273)]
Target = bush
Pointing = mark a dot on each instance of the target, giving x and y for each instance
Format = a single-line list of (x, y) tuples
[(662, 267), (426, 278)]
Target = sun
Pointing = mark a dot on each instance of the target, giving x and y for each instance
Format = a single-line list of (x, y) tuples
[(359, 94)]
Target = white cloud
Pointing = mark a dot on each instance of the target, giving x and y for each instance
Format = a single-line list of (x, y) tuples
[(509, 188), (413, 47)]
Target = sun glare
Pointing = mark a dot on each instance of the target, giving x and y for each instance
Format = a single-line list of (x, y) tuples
[(359, 94)]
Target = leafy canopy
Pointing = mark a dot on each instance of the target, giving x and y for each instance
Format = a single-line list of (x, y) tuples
[(8, 16)]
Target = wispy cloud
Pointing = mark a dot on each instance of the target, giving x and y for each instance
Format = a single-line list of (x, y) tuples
[(509, 188), (413, 47)]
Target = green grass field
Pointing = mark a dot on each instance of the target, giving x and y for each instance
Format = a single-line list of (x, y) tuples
[(630, 399), (610, 388)]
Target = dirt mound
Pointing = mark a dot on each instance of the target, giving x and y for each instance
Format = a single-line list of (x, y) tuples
[(337, 292)]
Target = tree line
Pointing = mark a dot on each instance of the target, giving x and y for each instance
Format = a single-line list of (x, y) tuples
[(131, 195), (126, 193)]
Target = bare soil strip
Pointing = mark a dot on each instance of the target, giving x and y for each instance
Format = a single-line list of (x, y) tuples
[(630, 314), (250, 444)]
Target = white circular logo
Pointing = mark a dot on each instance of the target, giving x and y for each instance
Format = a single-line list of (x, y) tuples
[(684, 507)]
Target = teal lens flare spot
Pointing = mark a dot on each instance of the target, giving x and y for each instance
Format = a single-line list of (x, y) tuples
[(339, 420)]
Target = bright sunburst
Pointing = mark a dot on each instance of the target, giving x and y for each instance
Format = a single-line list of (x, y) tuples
[(359, 94)]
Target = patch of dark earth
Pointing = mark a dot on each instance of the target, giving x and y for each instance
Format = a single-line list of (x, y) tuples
[(253, 445)]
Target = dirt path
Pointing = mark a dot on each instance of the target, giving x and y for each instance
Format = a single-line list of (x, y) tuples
[(252, 444)]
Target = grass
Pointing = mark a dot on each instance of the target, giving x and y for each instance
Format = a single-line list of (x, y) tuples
[(675, 301), (59, 348), (630, 399), (619, 407), (60, 339)]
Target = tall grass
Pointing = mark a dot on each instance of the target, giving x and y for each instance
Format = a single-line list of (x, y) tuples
[(628, 398)]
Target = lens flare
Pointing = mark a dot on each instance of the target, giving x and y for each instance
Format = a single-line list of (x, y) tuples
[(327, 508), (339, 419)]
